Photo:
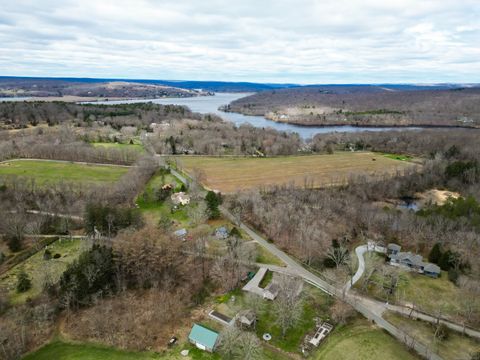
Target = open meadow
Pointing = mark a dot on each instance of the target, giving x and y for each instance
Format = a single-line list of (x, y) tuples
[(361, 341), (63, 252), (232, 174), (46, 171)]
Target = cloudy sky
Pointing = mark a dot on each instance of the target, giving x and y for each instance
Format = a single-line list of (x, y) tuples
[(303, 41)]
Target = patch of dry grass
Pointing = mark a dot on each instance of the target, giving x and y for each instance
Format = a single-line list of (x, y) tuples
[(233, 174)]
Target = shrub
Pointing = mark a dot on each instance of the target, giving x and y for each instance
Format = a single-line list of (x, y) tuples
[(47, 255), (57, 256), (442, 332), (453, 275), (23, 282)]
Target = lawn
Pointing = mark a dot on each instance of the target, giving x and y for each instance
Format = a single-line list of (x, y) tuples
[(361, 340), (155, 209), (423, 292), (111, 145), (455, 347), (54, 171), (232, 174), (316, 304), (417, 289), (37, 268), (65, 351), (265, 257)]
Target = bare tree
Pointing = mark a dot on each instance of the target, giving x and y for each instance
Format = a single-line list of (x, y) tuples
[(288, 305)]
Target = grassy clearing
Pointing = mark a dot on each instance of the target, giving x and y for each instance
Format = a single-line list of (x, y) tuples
[(54, 171), (65, 351), (423, 292), (147, 200), (265, 257), (38, 269), (399, 157), (316, 304), (233, 174), (417, 289), (456, 347), (361, 340), (109, 145), (267, 279)]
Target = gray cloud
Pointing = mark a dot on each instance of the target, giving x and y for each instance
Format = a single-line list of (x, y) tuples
[(284, 40)]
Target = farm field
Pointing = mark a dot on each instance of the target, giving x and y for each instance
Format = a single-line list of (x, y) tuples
[(37, 268), (232, 174), (110, 145), (361, 341), (455, 347), (54, 171), (65, 351)]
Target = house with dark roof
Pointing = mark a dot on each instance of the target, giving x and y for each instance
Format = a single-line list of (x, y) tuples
[(203, 338), (411, 261)]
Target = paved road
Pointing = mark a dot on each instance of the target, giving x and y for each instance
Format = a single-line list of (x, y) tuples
[(371, 309)]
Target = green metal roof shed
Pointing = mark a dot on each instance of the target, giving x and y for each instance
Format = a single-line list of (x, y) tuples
[(203, 338)]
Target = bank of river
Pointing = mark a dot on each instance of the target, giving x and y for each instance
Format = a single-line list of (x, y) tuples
[(210, 104)]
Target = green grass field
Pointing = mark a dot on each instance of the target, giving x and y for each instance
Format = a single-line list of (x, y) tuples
[(316, 304), (54, 171), (456, 347), (423, 292), (58, 350), (265, 257), (111, 145), (361, 341), (231, 174), (37, 268), (64, 351), (417, 289)]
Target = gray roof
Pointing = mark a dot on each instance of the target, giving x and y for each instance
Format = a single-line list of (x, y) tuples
[(273, 288), (408, 257), (393, 246), (431, 268)]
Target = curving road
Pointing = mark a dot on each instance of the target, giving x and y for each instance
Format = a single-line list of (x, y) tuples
[(369, 308)]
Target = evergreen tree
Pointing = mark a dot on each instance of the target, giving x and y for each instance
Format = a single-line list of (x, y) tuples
[(23, 282), (435, 254), (213, 201)]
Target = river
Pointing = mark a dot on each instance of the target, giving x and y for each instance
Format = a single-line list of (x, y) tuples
[(210, 104)]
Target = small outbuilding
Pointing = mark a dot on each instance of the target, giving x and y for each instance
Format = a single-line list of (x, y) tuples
[(203, 338), (271, 291), (246, 318), (180, 198)]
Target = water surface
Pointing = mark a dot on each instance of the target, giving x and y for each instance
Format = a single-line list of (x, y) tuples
[(210, 104)]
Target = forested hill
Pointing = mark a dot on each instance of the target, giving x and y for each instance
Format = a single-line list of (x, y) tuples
[(366, 106)]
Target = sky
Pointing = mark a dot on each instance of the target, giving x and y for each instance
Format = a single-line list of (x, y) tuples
[(276, 41)]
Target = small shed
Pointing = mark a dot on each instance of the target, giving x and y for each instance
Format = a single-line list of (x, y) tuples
[(271, 291), (246, 318), (203, 338)]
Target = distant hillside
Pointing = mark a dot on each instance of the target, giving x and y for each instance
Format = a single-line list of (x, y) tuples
[(38, 87), (27, 86), (374, 105)]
